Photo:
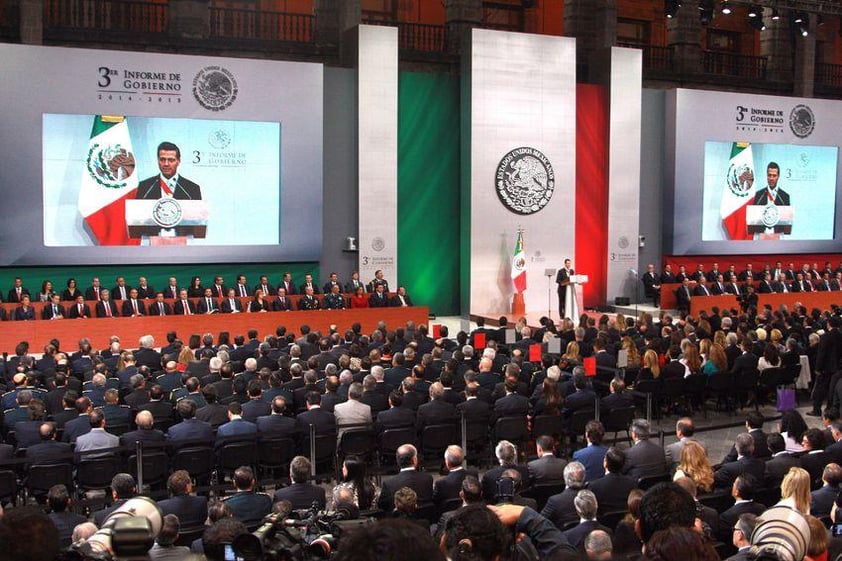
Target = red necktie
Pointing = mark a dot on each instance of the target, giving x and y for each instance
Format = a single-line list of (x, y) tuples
[(219, 291), (107, 309), (770, 197), (165, 188), (134, 305), (186, 308), (96, 289)]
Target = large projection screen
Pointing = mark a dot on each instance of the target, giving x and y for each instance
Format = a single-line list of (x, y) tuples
[(751, 174), (81, 130)]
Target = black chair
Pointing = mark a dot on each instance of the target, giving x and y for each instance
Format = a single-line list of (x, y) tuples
[(672, 394), (450, 504), (746, 385), (186, 536), (119, 430), (274, 454), (96, 473), (695, 390), (478, 442), (434, 441), (163, 424), (549, 425), (388, 443), (720, 501), (618, 420), (720, 387), (355, 442), (41, 477), (541, 492), (768, 496), (155, 466), (645, 389), (644, 483), (513, 429), (323, 457), (9, 487), (198, 461), (236, 453), (576, 425), (767, 382), (612, 518)]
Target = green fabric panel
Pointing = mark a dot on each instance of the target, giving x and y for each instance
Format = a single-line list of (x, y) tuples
[(428, 189), (157, 275), (100, 126)]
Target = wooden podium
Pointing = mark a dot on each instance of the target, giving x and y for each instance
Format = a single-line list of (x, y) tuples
[(518, 305), (166, 221)]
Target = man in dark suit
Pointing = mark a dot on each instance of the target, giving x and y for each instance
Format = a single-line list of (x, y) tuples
[(562, 281), (183, 306), (378, 298), (189, 428), (282, 303), (409, 476), (585, 504), (815, 458), (401, 299), (79, 309), (192, 511), (560, 508), (506, 454), (447, 488), (159, 307), (779, 464), (682, 296), (75, 428), (822, 499), (65, 520), (308, 301), (17, 292), (547, 468), (827, 365), (301, 493), (48, 448), (612, 490), (123, 488), (645, 458), (308, 283), (512, 404), (397, 415), (743, 491), (323, 421), (355, 282), (236, 427), (771, 194), (168, 183), (53, 309), (437, 411), (754, 426), (145, 431), (246, 505), (746, 463), (213, 413), (133, 306), (276, 424), (651, 285), (207, 304), (717, 286), (583, 397), (106, 307)]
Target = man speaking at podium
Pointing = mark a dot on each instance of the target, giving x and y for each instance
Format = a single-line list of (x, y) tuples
[(168, 183), (771, 194)]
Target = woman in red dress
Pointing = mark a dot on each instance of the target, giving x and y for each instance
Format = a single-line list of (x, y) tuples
[(359, 299)]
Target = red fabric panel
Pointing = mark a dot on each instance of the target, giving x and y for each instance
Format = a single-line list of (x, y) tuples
[(592, 191), (108, 224)]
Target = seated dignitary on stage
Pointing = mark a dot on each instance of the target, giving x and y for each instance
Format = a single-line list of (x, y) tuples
[(378, 298), (334, 299), (106, 307), (79, 309), (183, 306), (281, 303), (54, 309), (24, 312), (401, 299), (231, 305), (159, 307), (334, 281), (308, 283), (207, 304), (259, 302), (308, 301), (359, 299), (133, 306), (352, 285), (652, 285)]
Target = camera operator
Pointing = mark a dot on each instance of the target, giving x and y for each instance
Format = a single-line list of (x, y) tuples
[(390, 540), (220, 534), (27, 534)]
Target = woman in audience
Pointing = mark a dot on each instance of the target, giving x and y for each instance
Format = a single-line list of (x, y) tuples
[(185, 355), (795, 490), (651, 366), (633, 356), (46, 293), (694, 463), (223, 339), (771, 358), (626, 540), (568, 332), (678, 543), (704, 350), (571, 357), (692, 361), (775, 336), (359, 299), (355, 477), (717, 361), (195, 290), (817, 548), (550, 401), (24, 312), (258, 303), (720, 339), (70, 293), (792, 428)]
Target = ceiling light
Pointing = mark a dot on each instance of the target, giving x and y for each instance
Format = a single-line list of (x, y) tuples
[(755, 11), (726, 9), (775, 15), (671, 8)]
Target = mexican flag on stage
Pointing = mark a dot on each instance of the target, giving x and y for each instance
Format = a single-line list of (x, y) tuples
[(738, 192), (108, 179), (519, 265)]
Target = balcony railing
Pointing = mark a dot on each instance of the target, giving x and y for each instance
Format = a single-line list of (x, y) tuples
[(416, 37), (732, 64), (654, 57), (233, 23), (106, 15), (829, 74)]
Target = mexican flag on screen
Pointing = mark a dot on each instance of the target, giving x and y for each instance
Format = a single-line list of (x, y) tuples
[(108, 179), (738, 192), (519, 264)]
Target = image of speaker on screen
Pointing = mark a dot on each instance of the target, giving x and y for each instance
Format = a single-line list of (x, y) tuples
[(168, 183), (772, 194)]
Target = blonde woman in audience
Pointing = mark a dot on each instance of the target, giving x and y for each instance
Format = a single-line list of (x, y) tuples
[(776, 337), (184, 358), (720, 339), (795, 490), (717, 361), (704, 350), (633, 356), (571, 356), (651, 366), (692, 361), (694, 463)]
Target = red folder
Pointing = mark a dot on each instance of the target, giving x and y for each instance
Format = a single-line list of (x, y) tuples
[(590, 366)]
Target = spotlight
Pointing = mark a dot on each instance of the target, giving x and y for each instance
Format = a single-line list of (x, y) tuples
[(775, 15), (706, 16), (801, 22), (757, 23), (671, 8), (755, 11), (726, 8), (798, 17), (819, 20)]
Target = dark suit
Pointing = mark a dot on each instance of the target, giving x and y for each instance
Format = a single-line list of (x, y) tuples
[(612, 491), (179, 305), (421, 483), (576, 535), (682, 296), (546, 469), (47, 450), (73, 311), (150, 188), (728, 518), (190, 429), (13, 297), (560, 509), (435, 412), (279, 305), (396, 417), (191, 511), (644, 459), (101, 308), (821, 500), (814, 463), (511, 405), (254, 408), (155, 309), (65, 523), (48, 313), (75, 428), (448, 487), (145, 435), (727, 473), (323, 421), (781, 197), (248, 506), (24, 314), (378, 300), (302, 495), (476, 410), (204, 307), (214, 414)]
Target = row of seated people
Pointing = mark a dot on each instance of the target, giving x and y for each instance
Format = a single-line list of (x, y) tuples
[(195, 289), (183, 304), (593, 491)]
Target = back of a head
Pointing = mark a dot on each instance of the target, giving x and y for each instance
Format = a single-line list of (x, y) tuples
[(222, 531), (389, 540), (665, 505), (28, 534), (169, 530), (474, 533), (677, 543)]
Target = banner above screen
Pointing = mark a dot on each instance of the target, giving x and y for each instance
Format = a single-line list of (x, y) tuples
[(751, 174), (231, 149)]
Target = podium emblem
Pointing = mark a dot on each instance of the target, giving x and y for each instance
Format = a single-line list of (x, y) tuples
[(110, 165), (802, 121), (771, 216), (215, 88), (524, 180), (167, 213)]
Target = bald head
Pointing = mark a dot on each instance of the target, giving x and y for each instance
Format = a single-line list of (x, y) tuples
[(144, 420)]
